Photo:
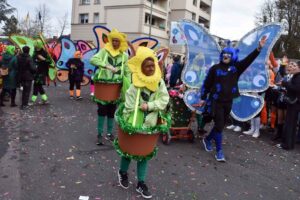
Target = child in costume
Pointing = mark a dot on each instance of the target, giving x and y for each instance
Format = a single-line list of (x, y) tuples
[(40, 57), (144, 100), (222, 84), (76, 71), (112, 63)]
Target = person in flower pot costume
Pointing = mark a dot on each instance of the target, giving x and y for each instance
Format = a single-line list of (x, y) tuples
[(112, 64), (141, 114)]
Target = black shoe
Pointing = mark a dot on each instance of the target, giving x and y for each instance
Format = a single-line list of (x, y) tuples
[(123, 179), (276, 137), (110, 137), (100, 140), (79, 98), (24, 107), (143, 190), (13, 105)]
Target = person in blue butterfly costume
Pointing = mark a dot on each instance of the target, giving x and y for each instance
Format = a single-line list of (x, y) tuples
[(221, 83)]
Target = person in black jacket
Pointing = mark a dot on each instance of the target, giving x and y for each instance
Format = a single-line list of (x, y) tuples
[(175, 71), (26, 70), (292, 99), (76, 71), (221, 84), (42, 60)]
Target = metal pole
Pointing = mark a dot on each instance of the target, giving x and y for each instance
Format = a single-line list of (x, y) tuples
[(151, 18)]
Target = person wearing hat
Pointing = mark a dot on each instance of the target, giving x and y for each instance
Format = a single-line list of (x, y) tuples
[(112, 66), (42, 61), (9, 62), (76, 71)]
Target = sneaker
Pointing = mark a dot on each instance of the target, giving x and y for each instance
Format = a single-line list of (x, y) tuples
[(256, 134), (207, 145), (230, 127), (71, 97), (249, 132), (78, 98), (92, 94), (31, 103), (99, 140), (44, 102), (110, 137), (143, 190), (123, 179), (220, 156), (237, 129)]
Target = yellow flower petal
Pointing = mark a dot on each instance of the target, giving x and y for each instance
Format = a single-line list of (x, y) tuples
[(123, 43), (139, 79)]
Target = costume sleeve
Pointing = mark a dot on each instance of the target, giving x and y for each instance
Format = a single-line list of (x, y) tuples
[(69, 62), (99, 59), (246, 62), (130, 98), (127, 72), (161, 99), (207, 84)]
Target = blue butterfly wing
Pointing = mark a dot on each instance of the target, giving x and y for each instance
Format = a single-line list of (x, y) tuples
[(202, 52), (68, 49), (256, 77), (89, 69), (246, 106)]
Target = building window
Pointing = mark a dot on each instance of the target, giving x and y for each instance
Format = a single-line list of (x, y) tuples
[(84, 18), (194, 16), (97, 2), (85, 2), (96, 18), (147, 19), (195, 2)]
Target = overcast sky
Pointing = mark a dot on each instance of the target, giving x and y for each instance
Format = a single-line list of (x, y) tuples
[(231, 19)]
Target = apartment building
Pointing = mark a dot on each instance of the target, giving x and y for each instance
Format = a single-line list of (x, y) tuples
[(133, 16)]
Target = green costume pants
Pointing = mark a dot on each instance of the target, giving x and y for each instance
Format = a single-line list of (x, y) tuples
[(141, 167)]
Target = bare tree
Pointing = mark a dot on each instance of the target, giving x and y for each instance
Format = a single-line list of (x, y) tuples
[(267, 13), (42, 19), (63, 24)]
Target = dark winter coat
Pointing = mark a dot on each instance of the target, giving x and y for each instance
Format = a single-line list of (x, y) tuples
[(293, 87), (175, 73), (26, 67), (10, 81), (76, 72)]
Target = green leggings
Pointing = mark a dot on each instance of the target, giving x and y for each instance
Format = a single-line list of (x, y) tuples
[(141, 167), (110, 125)]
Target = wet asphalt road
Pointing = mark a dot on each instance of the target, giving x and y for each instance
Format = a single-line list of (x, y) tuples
[(49, 152)]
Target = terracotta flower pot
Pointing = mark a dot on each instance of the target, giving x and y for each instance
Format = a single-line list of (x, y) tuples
[(137, 144), (107, 91)]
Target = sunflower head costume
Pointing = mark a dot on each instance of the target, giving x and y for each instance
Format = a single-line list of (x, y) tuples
[(139, 78), (122, 47)]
